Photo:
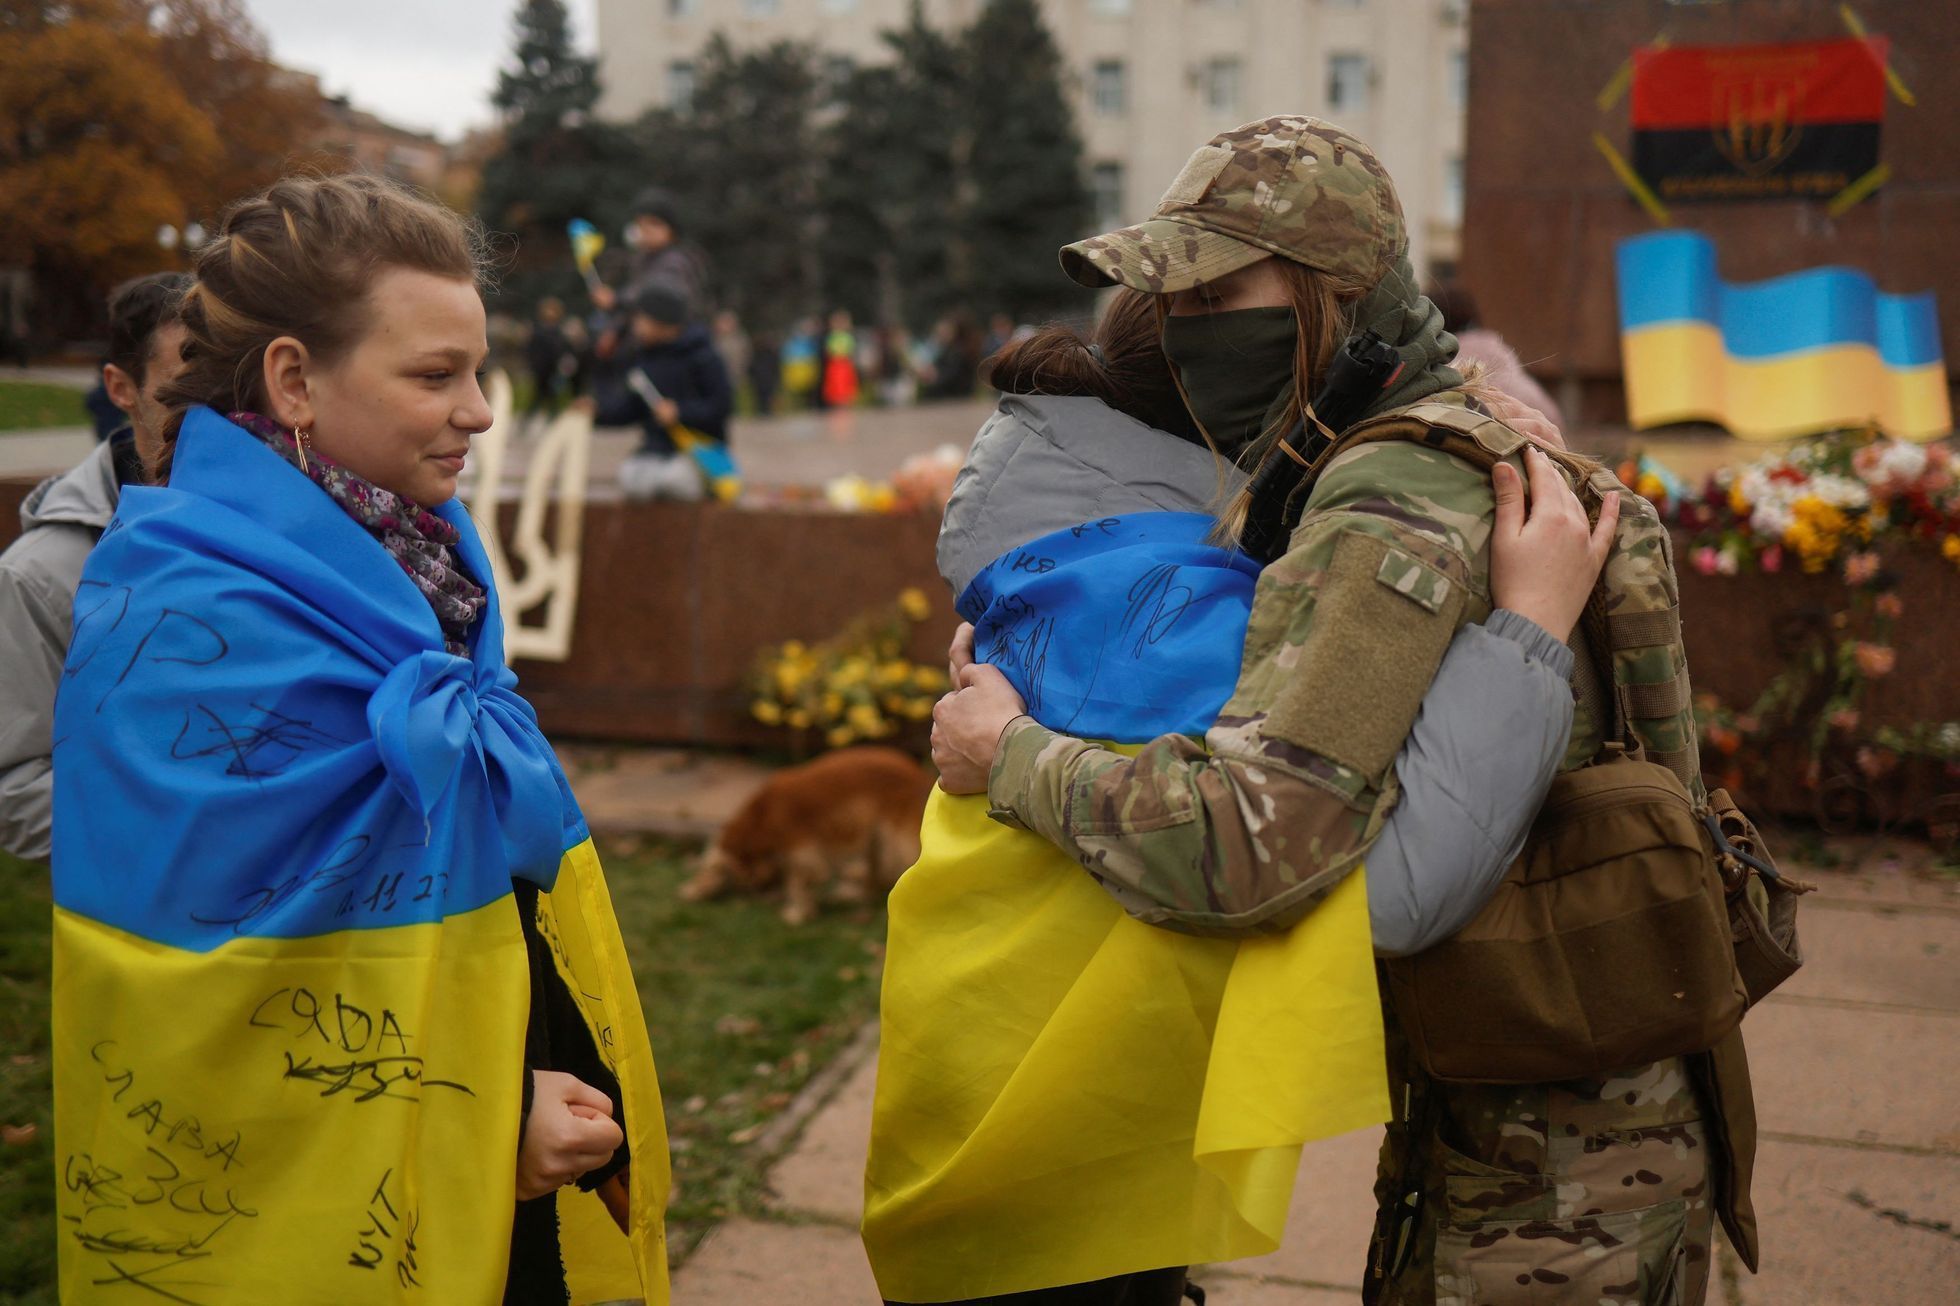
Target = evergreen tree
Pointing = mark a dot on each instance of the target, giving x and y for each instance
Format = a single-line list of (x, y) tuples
[(556, 162), (1024, 192), (744, 163)]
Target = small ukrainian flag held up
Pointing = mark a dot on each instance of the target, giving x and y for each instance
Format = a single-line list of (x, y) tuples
[(1813, 351)]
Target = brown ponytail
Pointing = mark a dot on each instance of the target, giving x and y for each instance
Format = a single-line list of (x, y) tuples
[(298, 260)]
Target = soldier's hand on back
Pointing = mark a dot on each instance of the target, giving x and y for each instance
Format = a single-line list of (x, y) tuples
[(1545, 559)]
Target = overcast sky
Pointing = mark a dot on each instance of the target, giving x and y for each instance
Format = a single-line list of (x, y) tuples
[(425, 64)]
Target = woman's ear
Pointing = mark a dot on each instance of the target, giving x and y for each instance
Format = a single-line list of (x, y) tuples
[(287, 398)]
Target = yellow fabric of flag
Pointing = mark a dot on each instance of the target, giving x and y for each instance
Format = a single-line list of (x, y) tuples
[(333, 1119), (1065, 1094)]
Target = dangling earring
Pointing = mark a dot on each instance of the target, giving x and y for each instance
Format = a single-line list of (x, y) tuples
[(301, 441)]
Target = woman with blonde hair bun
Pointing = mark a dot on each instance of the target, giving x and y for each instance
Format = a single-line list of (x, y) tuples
[(341, 1010)]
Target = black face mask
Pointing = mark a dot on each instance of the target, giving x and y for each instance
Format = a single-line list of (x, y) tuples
[(1236, 366)]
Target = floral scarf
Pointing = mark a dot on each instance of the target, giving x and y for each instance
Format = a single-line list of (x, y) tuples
[(421, 542)]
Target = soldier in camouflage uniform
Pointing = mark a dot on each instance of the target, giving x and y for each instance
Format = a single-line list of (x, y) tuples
[(1598, 1191)]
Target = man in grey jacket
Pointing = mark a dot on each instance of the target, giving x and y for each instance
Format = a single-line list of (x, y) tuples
[(60, 521)]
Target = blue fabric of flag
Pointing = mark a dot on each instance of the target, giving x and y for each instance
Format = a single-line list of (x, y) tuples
[(1670, 277), (1121, 629), (258, 730)]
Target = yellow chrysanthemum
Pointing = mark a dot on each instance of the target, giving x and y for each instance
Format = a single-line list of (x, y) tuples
[(770, 714), (912, 602)]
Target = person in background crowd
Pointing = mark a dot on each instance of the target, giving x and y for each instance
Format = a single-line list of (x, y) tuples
[(765, 370), (956, 355), (549, 357), (802, 368), (659, 260), (1478, 344), (61, 521), (733, 344), (677, 389), (840, 368), (1000, 330), (897, 385)]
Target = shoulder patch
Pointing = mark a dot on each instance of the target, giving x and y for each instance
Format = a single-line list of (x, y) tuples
[(1415, 580)]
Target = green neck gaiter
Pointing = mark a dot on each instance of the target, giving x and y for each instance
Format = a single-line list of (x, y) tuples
[(1235, 366)]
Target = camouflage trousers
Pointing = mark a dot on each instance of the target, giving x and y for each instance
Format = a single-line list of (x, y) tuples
[(1594, 1192)]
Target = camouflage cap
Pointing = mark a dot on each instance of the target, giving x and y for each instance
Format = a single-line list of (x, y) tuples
[(1297, 187)]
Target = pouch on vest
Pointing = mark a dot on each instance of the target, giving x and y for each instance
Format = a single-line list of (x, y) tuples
[(1626, 932)]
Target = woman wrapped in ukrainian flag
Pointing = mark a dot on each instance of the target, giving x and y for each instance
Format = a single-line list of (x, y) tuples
[(1073, 1106), (341, 1011)]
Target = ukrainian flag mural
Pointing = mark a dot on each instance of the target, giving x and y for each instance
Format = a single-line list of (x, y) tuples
[(293, 837), (1809, 352), (1065, 1093)]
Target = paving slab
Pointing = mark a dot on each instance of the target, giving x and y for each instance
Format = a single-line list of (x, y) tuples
[(756, 1263), (1332, 1215), (1271, 1292), (1857, 1075), (825, 1174), (1826, 1236), (1905, 958), (672, 792)]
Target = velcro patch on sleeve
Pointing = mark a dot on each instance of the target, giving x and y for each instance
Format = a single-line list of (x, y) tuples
[(1415, 580), (1378, 631), (1200, 171)]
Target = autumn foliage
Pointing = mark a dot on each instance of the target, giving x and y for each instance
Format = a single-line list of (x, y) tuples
[(118, 117)]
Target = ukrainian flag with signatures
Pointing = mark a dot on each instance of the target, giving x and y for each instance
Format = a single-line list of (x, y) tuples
[(1065, 1094), (1814, 351), (290, 981)]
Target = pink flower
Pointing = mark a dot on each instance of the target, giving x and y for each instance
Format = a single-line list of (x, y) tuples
[(1845, 718), (1875, 660), (1771, 559), (1860, 568), (1890, 605), (1706, 560), (1877, 762)]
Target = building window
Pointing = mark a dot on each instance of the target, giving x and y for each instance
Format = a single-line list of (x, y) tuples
[(683, 8), (1110, 8), (1347, 83), (1460, 79), (680, 86), (1222, 85), (762, 8), (1106, 191), (1108, 88), (1453, 190), (837, 71)]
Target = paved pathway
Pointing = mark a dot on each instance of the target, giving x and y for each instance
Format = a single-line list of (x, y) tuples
[(1857, 1185)]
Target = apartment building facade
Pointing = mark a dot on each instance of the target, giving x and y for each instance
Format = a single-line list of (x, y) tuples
[(1151, 79)]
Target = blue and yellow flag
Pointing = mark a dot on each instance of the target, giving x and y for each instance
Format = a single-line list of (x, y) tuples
[(290, 980), (1065, 1094), (1814, 351)]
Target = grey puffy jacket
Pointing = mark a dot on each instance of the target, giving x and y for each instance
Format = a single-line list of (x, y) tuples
[(60, 521), (1491, 729)]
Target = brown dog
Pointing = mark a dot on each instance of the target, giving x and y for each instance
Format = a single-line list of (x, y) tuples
[(839, 827)]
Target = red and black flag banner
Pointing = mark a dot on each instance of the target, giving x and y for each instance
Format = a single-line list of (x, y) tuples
[(1757, 121)]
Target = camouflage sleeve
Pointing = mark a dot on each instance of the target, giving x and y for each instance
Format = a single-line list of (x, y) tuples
[(1247, 830)]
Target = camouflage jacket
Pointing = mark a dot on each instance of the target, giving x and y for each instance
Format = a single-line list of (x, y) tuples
[(1246, 830)]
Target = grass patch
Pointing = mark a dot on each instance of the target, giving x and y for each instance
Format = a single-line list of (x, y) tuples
[(26, 1086), (743, 1010), (29, 405)]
